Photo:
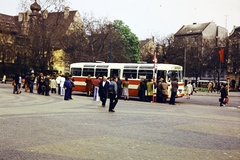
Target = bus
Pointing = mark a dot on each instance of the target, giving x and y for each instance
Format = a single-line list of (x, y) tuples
[(133, 71)]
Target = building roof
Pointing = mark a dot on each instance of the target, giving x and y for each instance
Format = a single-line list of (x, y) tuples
[(7, 23), (144, 42), (11, 24), (234, 31), (57, 18), (192, 29)]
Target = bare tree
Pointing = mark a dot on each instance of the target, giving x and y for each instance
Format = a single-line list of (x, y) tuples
[(94, 42)]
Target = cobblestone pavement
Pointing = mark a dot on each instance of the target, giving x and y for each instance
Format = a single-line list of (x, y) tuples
[(36, 127)]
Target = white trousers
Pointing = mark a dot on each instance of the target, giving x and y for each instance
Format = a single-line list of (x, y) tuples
[(62, 91), (95, 95)]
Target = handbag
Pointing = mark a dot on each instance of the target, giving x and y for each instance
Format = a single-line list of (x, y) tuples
[(220, 100), (226, 100), (13, 83)]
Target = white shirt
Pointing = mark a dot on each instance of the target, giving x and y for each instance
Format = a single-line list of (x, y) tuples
[(58, 79), (20, 80), (103, 83), (62, 80)]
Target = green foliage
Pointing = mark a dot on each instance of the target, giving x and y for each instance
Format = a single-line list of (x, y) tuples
[(130, 49)]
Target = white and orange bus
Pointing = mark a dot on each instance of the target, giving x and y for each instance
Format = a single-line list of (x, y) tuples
[(134, 72)]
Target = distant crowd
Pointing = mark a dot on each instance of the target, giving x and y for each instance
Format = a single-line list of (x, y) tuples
[(44, 84)]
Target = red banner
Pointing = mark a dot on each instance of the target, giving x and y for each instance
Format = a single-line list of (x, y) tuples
[(221, 55)]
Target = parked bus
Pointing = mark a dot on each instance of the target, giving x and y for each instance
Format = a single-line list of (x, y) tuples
[(133, 71)]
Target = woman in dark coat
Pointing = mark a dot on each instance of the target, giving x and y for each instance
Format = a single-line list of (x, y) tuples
[(67, 86), (89, 85), (159, 92), (224, 94), (141, 90), (16, 83)]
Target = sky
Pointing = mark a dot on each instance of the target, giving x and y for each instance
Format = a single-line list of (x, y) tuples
[(147, 18)]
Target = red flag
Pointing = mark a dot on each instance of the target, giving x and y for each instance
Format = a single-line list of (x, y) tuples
[(221, 55)]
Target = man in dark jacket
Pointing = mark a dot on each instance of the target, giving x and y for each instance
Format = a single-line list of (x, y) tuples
[(119, 84), (224, 94), (47, 85), (113, 94), (173, 91), (103, 90)]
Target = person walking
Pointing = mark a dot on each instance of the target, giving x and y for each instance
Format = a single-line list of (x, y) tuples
[(96, 88), (40, 83), (164, 91), (16, 83), (89, 85), (149, 90), (4, 79), (67, 88), (125, 89), (224, 94), (210, 86), (31, 82), (189, 90), (159, 92), (174, 89), (119, 84), (103, 90), (141, 90), (58, 79), (72, 85), (113, 95), (62, 80), (47, 85), (53, 85), (19, 83)]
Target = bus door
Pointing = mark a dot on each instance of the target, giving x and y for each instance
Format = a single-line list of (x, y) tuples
[(115, 72)]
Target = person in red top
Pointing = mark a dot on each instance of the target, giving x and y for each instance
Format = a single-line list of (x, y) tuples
[(96, 88)]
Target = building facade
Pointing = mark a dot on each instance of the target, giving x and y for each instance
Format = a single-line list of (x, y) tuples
[(34, 37), (199, 43), (233, 69)]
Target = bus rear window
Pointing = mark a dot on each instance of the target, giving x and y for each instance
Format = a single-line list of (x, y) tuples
[(76, 71), (88, 71)]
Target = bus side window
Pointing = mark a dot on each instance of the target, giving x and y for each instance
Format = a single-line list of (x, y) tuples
[(76, 71), (101, 72), (130, 73), (88, 71), (145, 73)]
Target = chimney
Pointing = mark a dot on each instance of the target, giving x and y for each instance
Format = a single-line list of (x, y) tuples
[(66, 12)]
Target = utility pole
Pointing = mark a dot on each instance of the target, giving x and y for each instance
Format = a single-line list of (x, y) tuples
[(110, 57), (185, 62)]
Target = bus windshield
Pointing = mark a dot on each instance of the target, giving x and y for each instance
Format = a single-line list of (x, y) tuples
[(172, 74)]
